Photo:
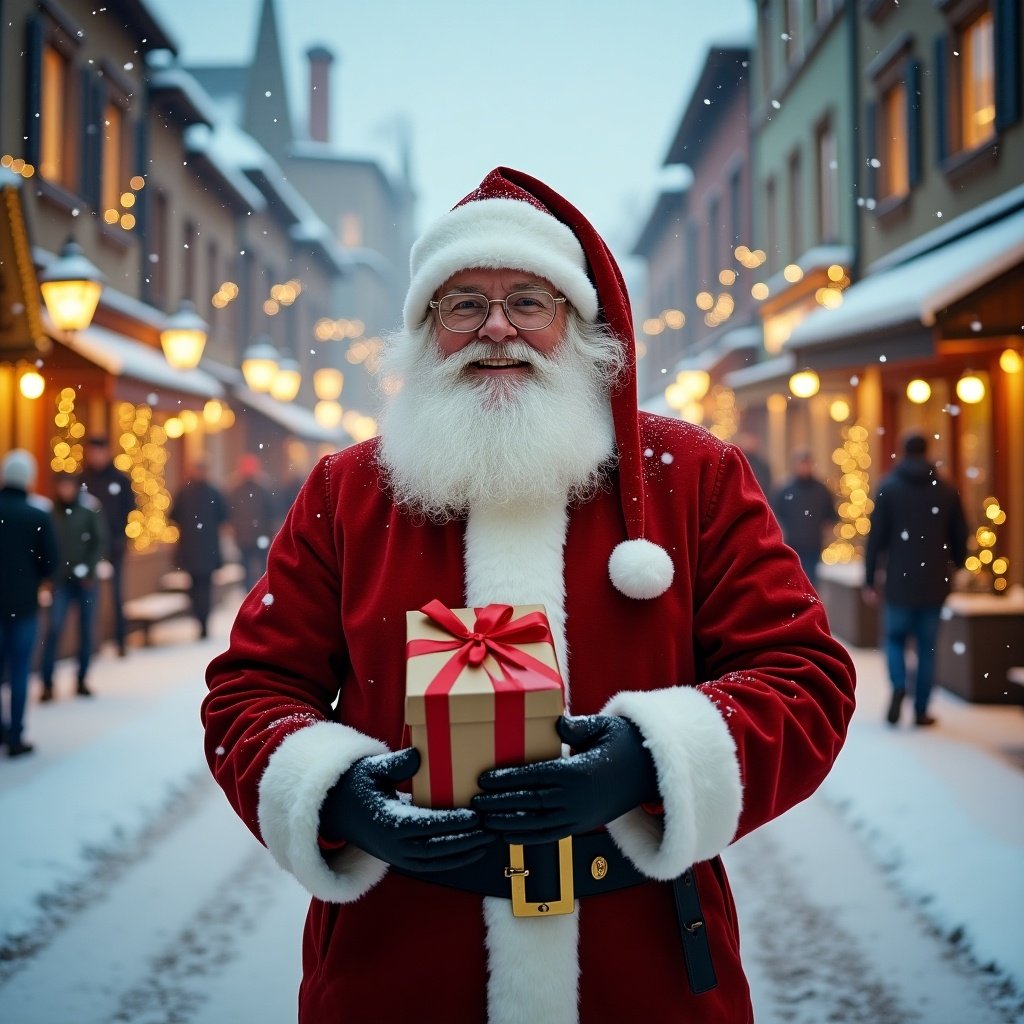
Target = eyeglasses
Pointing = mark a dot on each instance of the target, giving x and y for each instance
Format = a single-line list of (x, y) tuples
[(530, 309)]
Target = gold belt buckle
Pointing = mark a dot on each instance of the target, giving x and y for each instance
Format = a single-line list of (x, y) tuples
[(517, 871)]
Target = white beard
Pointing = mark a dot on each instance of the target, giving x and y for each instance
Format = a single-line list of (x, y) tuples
[(450, 443)]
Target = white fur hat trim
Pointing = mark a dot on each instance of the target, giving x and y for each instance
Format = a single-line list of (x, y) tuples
[(498, 234), (640, 569)]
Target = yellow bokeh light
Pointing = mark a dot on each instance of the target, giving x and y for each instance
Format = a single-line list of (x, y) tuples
[(972, 564), (970, 389), (759, 291), (1010, 361), (1000, 565), (985, 556), (919, 391), (1000, 584), (137, 182), (792, 272), (704, 300), (128, 221), (839, 410)]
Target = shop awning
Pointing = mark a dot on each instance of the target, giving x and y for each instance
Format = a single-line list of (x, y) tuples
[(907, 298), (125, 357), (296, 419)]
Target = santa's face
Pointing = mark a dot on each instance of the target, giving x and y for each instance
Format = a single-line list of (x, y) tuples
[(497, 284)]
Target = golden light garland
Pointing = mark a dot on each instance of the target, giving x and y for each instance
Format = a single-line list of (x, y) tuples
[(126, 201), (66, 444), (143, 456), (724, 415), (985, 561), (854, 459), (16, 165)]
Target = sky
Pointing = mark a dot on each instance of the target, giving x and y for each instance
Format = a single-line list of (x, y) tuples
[(584, 94)]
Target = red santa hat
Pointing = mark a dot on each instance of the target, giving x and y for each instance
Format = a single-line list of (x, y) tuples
[(513, 221)]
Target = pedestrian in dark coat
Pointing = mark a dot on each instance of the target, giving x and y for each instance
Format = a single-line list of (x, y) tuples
[(918, 528), (113, 490), (82, 541), (199, 511), (28, 551), (806, 510), (254, 514)]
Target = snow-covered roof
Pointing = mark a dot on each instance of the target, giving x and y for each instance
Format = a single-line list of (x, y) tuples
[(199, 140), (916, 291), (122, 356), (293, 417), (776, 368), (198, 106)]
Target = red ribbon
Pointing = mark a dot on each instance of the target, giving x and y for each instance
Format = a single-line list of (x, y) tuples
[(493, 633)]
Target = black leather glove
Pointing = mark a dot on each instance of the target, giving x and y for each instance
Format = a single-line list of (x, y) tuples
[(612, 773), (362, 808)]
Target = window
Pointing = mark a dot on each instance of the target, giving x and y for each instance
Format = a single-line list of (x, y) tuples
[(57, 142), (714, 229), (792, 30), (772, 223), (190, 262), (976, 47), (735, 205), (894, 179), (828, 182), (765, 43), (157, 256), (113, 172), (351, 233), (796, 192)]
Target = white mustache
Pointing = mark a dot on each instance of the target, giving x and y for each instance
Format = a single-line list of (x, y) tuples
[(478, 350)]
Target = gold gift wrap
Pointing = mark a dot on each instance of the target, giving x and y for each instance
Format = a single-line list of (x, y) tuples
[(483, 690)]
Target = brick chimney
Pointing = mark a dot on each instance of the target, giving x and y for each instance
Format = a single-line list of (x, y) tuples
[(320, 60)]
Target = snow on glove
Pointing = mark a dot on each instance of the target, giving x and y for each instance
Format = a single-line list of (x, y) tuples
[(612, 773), (363, 809)]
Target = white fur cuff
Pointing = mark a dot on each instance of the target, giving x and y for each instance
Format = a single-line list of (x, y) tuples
[(292, 790), (698, 778)]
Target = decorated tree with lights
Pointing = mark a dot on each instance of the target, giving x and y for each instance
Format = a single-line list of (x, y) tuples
[(985, 563), (854, 460)]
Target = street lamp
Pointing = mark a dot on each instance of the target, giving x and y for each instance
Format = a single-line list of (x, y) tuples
[(804, 384), (259, 364), (71, 287), (184, 337), (285, 385), (328, 383)]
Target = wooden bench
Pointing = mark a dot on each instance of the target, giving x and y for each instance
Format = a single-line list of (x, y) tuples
[(227, 576), (142, 613)]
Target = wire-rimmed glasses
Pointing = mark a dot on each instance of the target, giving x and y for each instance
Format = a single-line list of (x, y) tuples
[(527, 309)]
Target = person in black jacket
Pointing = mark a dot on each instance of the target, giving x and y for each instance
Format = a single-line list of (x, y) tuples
[(113, 490), (918, 525), (28, 552), (199, 511), (82, 541), (806, 510)]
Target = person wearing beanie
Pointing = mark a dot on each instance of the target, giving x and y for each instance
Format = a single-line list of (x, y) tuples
[(919, 534), (82, 539), (704, 693), (28, 553)]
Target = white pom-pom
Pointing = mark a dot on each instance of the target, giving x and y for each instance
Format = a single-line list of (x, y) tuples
[(640, 569)]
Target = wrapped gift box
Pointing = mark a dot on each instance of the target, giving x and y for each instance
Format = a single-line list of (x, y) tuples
[(483, 690)]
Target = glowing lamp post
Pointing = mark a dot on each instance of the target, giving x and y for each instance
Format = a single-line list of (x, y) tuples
[(71, 287), (285, 385), (328, 383), (259, 365), (804, 384), (184, 337)]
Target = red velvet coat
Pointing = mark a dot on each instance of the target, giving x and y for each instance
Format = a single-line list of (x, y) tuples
[(732, 675)]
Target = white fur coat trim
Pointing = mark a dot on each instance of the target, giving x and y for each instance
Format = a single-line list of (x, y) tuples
[(516, 556), (292, 791), (698, 778)]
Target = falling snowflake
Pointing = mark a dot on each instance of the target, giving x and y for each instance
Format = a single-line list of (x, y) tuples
[(666, 457), (268, 599)]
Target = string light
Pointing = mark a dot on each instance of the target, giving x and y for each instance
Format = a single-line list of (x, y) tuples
[(986, 562), (143, 457), (854, 509), (66, 444)]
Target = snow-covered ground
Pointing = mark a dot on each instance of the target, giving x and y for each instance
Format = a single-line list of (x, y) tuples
[(121, 779)]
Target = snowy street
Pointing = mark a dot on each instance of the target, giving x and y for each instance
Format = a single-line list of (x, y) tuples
[(129, 891)]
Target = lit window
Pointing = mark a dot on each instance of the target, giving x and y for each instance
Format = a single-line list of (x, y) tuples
[(351, 230), (895, 170), (114, 176), (56, 152), (977, 81)]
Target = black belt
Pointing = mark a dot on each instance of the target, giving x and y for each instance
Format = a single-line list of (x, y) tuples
[(545, 880)]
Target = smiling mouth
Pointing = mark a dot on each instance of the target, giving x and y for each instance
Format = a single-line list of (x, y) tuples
[(500, 364)]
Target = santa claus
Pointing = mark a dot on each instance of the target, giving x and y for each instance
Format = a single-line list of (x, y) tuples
[(706, 693)]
